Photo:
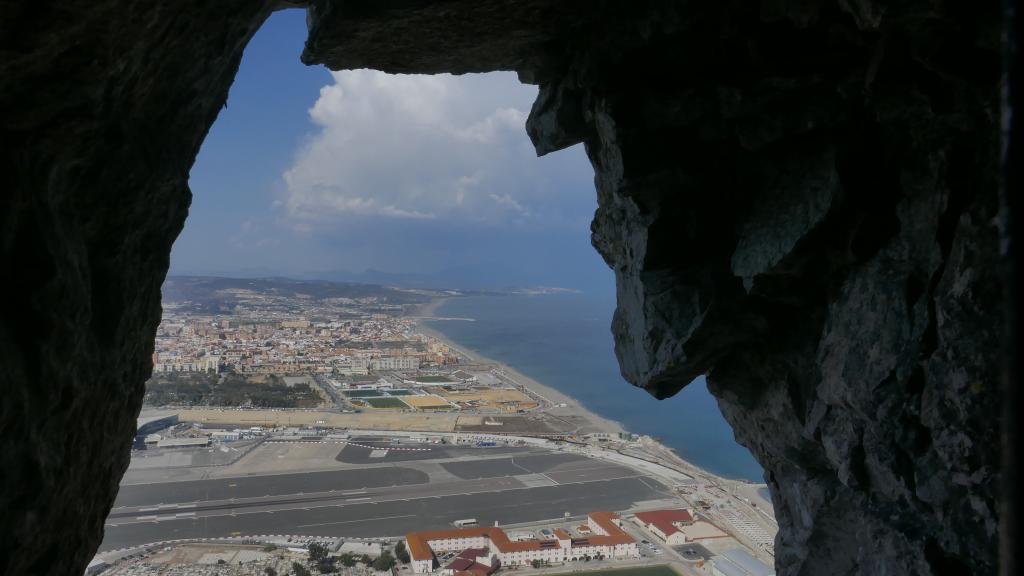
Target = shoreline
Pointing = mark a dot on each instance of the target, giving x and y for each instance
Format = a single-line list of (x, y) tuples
[(552, 394), (426, 312)]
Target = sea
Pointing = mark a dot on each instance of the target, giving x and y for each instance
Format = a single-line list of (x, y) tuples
[(563, 340)]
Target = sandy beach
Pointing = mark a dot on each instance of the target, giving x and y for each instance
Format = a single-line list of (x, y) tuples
[(572, 406)]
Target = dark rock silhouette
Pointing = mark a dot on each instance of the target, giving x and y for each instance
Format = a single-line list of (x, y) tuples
[(798, 198)]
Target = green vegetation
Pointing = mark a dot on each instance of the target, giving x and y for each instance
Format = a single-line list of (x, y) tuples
[(205, 389), (383, 402), (433, 379), (399, 393), (401, 552), (362, 393), (317, 552), (326, 567), (384, 562), (300, 570), (187, 388)]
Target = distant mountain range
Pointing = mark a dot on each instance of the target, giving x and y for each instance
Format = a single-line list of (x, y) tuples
[(214, 293), (465, 278)]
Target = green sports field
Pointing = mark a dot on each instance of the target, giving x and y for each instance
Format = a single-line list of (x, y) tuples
[(362, 393), (386, 403)]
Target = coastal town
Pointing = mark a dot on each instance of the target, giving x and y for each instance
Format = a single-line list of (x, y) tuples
[(291, 428)]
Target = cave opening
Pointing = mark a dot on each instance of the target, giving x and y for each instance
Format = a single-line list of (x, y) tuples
[(840, 285), (425, 182)]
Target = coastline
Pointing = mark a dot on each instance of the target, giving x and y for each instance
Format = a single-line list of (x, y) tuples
[(573, 406), (426, 312)]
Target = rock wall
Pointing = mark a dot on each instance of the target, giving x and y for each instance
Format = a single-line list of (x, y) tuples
[(105, 105), (798, 198)]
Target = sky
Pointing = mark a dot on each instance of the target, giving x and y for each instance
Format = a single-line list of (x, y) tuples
[(360, 175)]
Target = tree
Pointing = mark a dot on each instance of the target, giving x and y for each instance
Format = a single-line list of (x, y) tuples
[(366, 559), (384, 562), (348, 560), (326, 567), (535, 563), (317, 552), (270, 571), (300, 570), (401, 552)]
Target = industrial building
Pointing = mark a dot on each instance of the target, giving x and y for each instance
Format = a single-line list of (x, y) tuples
[(608, 540), (146, 425), (666, 524), (201, 442), (676, 527), (224, 435)]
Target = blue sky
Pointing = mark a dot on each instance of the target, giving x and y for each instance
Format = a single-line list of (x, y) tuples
[(310, 173)]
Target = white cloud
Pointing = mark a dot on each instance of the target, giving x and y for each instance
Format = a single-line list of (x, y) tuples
[(417, 147)]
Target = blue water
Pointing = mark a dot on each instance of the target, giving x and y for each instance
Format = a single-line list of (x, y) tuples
[(564, 341)]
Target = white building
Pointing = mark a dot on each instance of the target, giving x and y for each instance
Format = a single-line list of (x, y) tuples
[(608, 540), (183, 443), (395, 363), (225, 435), (668, 525)]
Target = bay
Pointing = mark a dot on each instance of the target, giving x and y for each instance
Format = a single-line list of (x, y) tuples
[(564, 341)]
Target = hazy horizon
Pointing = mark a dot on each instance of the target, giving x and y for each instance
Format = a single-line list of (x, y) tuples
[(309, 173)]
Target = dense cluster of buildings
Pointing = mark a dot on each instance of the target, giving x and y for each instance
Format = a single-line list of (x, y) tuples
[(490, 547), (189, 343)]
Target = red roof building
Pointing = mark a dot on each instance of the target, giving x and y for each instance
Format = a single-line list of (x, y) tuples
[(666, 523), (608, 540)]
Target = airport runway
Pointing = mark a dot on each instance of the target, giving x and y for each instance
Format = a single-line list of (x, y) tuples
[(391, 500), (269, 485), (394, 518)]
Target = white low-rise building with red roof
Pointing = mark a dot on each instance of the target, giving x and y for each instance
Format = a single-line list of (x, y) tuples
[(667, 524), (609, 540)]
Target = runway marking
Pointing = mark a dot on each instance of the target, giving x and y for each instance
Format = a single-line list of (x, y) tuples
[(641, 479), (351, 521), (384, 498), (389, 447), (513, 461)]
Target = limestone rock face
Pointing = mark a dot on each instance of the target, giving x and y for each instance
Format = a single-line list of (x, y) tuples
[(801, 202), (797, 198), (105, 105)]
